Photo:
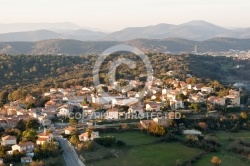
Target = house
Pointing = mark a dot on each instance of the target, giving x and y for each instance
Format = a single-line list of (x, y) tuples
[(158, 82), (112, 113), (3, 123), (26, 146), (11, 122), (74, 99), (44, 121), (232, 99), (189, 86), (52, 90), (85, 90), (123, 101), (104, 98), (176, 104), (234, 92), (69, 92), (69, 130), (196, 98), (85, 136), (60, 90), (153, 97), (44, 137), (217, 100), (153, 106), (207, 90), (49, 114), (26, 160), (137, 107), (65, 110), (183, 85), (164, 91), (191, 132), (197, 87), (8, 140), (154, 90), (163, 121)]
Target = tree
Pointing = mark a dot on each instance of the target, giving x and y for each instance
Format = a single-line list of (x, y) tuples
[(3, 98), (194, 106), (243, 115), (72, 121), (181, 97), (32, 124), (156, 129), (17, 155), (46, 150), (14, 132), (3, 151), (216, 161), (203, 125), (74, 140), (89, 133), (21, 125), (30, 135)]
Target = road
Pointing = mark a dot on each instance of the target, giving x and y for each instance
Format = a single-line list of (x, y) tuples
[(69, 154)]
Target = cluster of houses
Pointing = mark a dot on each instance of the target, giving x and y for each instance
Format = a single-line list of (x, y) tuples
[(27, 147), (65, 101)]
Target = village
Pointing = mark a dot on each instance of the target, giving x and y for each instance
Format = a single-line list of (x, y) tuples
[(104, 106)]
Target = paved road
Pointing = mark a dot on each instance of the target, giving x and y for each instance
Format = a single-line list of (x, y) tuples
[(69, 154)]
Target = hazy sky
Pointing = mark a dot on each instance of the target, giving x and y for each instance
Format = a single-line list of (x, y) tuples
[(117, 14)]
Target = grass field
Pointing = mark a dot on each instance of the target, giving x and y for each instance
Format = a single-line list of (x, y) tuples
[(133, 137), (157, 155), (166, 154), (221, 135), (228, 158)]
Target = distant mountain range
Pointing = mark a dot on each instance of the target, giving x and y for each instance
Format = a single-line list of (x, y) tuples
[(76, 47), (194, 30), (38, 35)]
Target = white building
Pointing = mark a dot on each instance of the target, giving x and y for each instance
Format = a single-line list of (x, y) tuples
[(26, 146), (207, 89), (85, 136), (191, 132), (176, 104), (65, 110), (112, 113), (8, 140)]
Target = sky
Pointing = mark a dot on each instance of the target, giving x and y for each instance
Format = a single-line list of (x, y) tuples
[(117, 14)]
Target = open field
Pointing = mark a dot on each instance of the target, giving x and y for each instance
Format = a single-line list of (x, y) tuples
[(169, 153), (228, 158), (222, 136), (158, 155)]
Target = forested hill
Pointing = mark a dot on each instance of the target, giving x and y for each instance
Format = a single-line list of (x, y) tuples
[(55, 47), (75, 47), (61, 71)]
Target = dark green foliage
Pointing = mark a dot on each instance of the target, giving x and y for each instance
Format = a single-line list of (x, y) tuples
[(47, 150), (109, 141)]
